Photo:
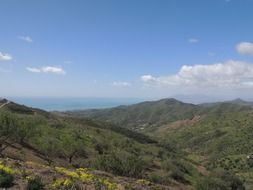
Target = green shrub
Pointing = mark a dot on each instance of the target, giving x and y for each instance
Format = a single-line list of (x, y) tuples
[(35, 184), (178, 169), (171, 164), (179, 176), (121, 163), (6, 179), (160, 178)]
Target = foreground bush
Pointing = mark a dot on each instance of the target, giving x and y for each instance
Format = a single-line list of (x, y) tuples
[(6, 179)]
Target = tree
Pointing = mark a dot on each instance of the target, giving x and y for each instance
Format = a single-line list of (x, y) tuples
[(73, 144), (25, 130)]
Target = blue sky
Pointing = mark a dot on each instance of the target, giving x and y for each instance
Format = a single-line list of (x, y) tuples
[(126, 48)]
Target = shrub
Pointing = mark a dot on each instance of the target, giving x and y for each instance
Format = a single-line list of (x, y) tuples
[(6, 179), (101, 148), (220, 180), (35, 183), (179, 176), (121, 163), (250, 162), (178, 169), (160, 178), (180, 165)]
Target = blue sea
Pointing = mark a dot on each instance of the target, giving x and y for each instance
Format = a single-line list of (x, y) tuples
[(63, 104)]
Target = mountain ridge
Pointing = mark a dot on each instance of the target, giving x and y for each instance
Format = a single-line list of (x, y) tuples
[(152, 114)]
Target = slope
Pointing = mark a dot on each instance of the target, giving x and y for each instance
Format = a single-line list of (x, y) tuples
[(28, 134)]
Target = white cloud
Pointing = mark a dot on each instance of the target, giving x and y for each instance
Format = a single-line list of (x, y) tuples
[(33, 70), (26, 38), (148, 78), (5, 57), (121, 84), (231, 74), (47, 69), (56, 70), (245, 48), (193, 40)]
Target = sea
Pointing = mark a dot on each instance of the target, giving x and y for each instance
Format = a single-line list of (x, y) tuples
[(65, 104)]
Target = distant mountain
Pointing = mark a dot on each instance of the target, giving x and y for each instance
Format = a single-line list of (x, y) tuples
[(237, 101), (150, 114), (153, 114)]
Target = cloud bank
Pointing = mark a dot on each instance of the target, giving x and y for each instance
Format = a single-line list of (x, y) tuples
[(230, 74), (47, 69)]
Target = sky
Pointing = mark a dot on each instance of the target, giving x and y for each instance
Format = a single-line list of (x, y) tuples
[(126, 48)]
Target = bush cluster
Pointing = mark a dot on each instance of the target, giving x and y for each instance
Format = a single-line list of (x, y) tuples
[(121, 163)]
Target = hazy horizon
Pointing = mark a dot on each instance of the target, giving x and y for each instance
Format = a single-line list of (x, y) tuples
[(82, 103)]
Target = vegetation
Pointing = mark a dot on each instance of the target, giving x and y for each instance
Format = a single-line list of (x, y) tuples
[(121, 163), (143, 115), (6, 179), (35, 183), (216, 135), (55, 178), (73, 142), (177, 144), (220, 180)]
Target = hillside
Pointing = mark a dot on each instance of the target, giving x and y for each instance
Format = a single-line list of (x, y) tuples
[(32, 175), (214, 136), (220, 139), (194, 148), (127, 157)]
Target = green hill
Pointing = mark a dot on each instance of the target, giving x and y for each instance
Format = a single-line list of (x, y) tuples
[(221, 138), (183, 146), (145, 115), (215, 136), (32, 135)]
